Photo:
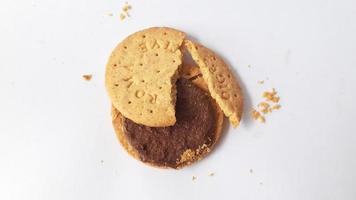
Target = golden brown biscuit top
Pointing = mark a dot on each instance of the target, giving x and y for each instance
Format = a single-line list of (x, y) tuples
[(141, 74)]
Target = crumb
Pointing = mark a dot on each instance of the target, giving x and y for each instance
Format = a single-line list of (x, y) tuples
[(261, 119), (122, 16), (249, 66), (261, 183), (251, 171), (261, 82), (194, 178), (201, 149), (110, 14), (275, 99), (211, 174), (257, 116), (264, 107), (126, 7), (87, 77), (271, 96), (125, 11), (187, 156), (276, 107), (102, 161)]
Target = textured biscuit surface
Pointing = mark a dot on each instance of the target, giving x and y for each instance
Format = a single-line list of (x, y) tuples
[(222, 85), (141, 75)]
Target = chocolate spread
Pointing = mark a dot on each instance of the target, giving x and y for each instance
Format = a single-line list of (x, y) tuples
[(195, 127)]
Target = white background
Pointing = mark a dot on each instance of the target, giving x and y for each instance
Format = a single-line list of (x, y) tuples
[(56, 138)]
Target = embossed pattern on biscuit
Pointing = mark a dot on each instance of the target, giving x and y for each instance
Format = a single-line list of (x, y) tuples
[(222, 86), (141, 75)]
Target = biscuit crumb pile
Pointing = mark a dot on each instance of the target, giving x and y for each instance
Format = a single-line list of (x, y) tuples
[(87, 77), (189, 156), (267, 106), (125, 11), (271, 96)]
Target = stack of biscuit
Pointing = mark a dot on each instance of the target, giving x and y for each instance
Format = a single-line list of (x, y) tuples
[(166, 111)]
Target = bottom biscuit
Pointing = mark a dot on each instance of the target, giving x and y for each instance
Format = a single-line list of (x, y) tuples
[(198, 128)]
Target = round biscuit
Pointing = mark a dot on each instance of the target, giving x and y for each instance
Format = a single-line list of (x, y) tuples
[(198, 155)]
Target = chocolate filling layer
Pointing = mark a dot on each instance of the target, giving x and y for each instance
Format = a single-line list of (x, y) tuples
[(195, 127)]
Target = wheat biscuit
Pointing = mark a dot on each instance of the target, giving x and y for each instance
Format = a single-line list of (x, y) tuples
[(141, 74), (222, 85)]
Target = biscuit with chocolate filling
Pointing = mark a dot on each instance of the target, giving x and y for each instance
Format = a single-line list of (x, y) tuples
[(198, 128), (169, 96)]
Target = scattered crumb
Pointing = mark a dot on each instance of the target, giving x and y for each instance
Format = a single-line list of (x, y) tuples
[(87, 77), (276, 107), (194, 178), (102, 161), (261, 119), (261, 183), (271, 96), (264, 107), (202, 149), (257, 116), (126, 7), (251, 171), (110, 14), (211, 174), (125, 11), (275, 99), (249, 66), (261, 82), (122, 16)]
